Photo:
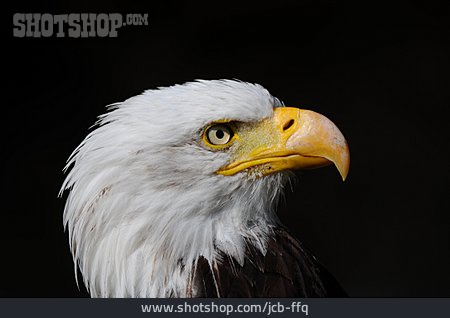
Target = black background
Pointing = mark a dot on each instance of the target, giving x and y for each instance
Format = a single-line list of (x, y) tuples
[(379, 71)]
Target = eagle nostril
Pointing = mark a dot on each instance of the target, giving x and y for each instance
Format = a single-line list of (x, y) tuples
[(288, 124)]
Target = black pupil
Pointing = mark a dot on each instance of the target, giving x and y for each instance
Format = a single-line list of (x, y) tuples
[(220, 134)]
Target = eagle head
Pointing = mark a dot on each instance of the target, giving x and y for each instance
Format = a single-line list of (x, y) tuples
[(183, 173)]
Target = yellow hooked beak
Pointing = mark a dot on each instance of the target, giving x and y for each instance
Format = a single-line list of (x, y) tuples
[(291, 139)]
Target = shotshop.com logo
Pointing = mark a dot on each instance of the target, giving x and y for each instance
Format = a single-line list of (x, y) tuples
[(73, 25)]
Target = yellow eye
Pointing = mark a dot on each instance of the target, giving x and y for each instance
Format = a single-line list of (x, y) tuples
[(219, 134)]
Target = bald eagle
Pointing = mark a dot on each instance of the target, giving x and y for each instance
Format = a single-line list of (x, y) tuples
[(173, 194)]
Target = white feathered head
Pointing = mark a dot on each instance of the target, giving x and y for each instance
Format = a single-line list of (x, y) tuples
[(182, 172)]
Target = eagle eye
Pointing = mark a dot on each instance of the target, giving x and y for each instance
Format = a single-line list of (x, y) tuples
[(219, 134)]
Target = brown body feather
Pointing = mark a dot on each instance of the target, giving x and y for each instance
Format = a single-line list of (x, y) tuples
[(287, 270)]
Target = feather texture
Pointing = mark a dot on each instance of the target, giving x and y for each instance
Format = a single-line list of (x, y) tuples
[(286, 270)]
